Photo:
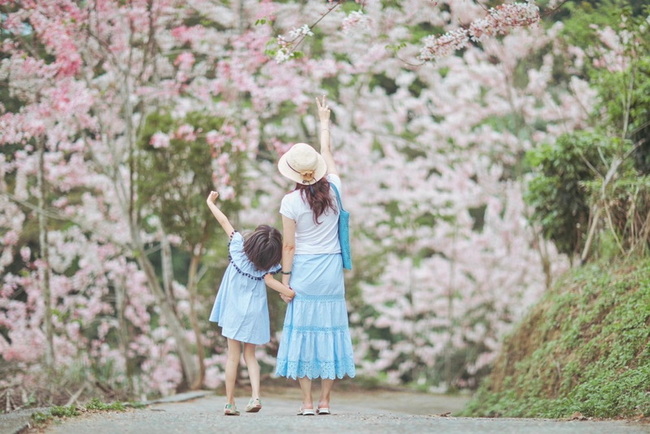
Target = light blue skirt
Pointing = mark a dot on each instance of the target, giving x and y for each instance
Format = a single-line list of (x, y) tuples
[(315, 341)]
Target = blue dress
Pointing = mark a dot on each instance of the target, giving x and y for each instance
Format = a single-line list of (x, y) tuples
[(315, 341), (241, 307)]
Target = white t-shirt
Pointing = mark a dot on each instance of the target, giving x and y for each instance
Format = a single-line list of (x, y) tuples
[(313, 239)]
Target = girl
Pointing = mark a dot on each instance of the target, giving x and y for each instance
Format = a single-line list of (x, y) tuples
[(241, 307)]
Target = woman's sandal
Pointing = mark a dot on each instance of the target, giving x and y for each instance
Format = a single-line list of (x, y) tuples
[(254, 405), (323, 410), (230, 410), (306, 412)]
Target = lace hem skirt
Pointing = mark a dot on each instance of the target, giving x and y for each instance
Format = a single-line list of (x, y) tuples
[(315, 340)]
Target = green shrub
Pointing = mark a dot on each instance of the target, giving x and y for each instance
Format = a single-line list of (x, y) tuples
[(583, 348)]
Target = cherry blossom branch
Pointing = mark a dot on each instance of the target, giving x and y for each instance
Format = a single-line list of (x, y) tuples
[(288, 48), (499, 21), (39, 210), (554, 9)]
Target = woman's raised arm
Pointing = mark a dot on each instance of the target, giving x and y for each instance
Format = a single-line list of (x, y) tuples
[(325, 142)]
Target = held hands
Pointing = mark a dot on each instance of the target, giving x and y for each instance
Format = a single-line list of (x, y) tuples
[(288, 298), (323, 111)]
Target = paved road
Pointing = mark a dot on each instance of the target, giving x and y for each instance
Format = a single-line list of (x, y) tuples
[(353, 412)]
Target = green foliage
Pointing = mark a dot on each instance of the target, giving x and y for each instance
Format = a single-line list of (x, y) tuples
[(176, 180), (583, 348), (594, 181), (95, 404), (350, 6), (40, 417), (584, 17), (624, 87), (64, 411), (394, 48), (422, 30), (626, 204), (557, 193), (586, 179), (382, 80)]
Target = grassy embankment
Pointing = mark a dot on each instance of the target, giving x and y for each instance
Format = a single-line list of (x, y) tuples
[(583, 349)]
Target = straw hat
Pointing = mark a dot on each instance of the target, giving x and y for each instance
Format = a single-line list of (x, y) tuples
[(302, 164)]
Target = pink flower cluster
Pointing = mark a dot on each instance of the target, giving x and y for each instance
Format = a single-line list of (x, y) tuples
[(500, 21), (503, 19), (185, 132), (189, 35), (287, 45), (159, 140), (445, 45), (185, 61), (59, 40), (354, 19)]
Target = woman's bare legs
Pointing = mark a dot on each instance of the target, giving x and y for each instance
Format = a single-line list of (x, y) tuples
[(305, 388), (253, 369), (234, 354), (325, 392)]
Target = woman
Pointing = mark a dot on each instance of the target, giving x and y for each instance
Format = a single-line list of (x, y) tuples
[(315, 339)]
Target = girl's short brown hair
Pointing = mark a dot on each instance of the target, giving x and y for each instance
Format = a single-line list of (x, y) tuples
[(264, 247)]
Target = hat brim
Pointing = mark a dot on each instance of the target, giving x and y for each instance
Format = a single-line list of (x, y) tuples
[(288, 172)]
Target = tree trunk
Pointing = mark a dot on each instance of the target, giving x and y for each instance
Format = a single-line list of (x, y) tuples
[(189, 363), (167, 266), (192, 285), (168, 313), (451, 289), (45, 258), (123, 334), (168, 278)]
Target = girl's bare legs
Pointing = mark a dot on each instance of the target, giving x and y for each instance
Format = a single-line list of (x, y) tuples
[(305, 388), (253, 369), (325, 391), (234, 353)]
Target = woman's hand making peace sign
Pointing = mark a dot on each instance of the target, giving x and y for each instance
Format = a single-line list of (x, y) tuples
[(323, 111)]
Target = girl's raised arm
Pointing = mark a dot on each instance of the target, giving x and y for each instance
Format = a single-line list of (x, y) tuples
[(220, 216)]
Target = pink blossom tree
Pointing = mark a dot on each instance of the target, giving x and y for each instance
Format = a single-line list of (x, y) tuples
[(83, 80), (430, 156)]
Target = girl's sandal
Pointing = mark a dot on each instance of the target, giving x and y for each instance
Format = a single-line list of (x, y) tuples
[(306, 412), (254, 405), (230, 410)]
